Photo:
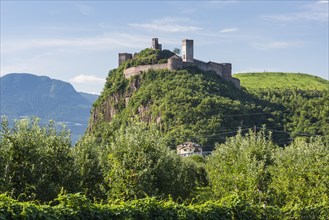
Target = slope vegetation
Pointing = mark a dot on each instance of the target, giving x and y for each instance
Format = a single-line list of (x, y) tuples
[(186, 105), (272, 80), (305, 100)]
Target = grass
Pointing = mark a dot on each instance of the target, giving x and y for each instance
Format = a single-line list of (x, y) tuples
[(277, 80)]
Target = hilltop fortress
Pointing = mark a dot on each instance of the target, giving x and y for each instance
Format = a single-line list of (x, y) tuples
[(176, 63)]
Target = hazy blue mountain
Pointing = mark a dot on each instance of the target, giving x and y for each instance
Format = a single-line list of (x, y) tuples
[(24, 94), (90, 97)]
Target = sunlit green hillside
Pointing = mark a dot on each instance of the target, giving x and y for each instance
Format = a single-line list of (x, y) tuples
[(282, 81)]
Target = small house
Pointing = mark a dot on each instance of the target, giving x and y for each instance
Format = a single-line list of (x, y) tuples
[(188, 148)]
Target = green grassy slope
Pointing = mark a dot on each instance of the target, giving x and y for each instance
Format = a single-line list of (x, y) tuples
[(282, 81)]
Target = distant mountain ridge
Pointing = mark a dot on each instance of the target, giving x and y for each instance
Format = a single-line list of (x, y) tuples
[(90, 97), (24, 94)]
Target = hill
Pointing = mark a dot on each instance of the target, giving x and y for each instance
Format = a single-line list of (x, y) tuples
[(273, 80), (24, 94), (304, 100), (187, 105), (200, 106)]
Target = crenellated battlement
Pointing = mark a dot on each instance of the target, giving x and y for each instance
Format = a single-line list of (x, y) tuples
[(176, 63)]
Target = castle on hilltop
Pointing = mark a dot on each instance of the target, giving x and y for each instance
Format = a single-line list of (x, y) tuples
[(176, 63)]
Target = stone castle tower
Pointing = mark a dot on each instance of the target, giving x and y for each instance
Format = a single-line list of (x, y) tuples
[(187, 51), (155, 44), (124, 56)]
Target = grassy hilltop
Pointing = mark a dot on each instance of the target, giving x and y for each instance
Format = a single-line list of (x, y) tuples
[(278, 80)]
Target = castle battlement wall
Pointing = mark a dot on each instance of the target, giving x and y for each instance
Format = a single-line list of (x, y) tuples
[(222, 69), (132, 71), (176, 63)]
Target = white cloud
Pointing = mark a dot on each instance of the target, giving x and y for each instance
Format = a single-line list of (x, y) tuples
[(228, 30), (275, 45), (322, 2), (105, 42), (82, 78), (167, 24), (315, 11)]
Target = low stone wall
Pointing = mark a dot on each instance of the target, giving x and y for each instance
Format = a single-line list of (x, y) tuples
[(222, 69), (132, 71), (236, 82)]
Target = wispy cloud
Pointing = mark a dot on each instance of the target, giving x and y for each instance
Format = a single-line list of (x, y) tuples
[(84, 9), (168, 24), (322, 2), (316, 11), (108, 41), (275, 44), (82, 78), (228, 30)]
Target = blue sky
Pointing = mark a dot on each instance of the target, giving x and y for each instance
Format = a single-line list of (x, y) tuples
[(78, 41)]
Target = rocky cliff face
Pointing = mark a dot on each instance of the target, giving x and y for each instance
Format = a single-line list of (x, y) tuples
[(118, 101), (106, 111)]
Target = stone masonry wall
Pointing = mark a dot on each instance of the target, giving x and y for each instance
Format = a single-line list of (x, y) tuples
[(222, 69), (132, 71)]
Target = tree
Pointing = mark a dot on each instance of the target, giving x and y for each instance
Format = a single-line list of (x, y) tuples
[(88, 155), (142, 165), (240, 167), (176, 50), (300, 175), (36, 161)]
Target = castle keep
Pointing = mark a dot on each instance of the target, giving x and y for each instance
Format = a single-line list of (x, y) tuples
[(176, 63)]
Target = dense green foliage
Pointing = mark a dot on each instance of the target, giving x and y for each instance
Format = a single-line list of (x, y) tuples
[(291, 178), (35, 162), (240, 167), (125, 164), (77, 206), (300, 175), (149, 56), (273, 80), (304, 100), (142, 165), (249, 177), (305, 113), (198, 106), (187, 105)]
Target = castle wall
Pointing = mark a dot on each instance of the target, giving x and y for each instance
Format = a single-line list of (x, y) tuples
[(132, 71), (236, 82), (124, 56), (175, 63), (222, 69)]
